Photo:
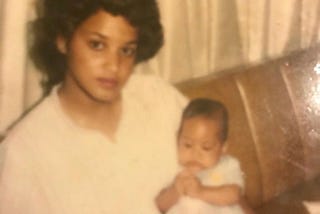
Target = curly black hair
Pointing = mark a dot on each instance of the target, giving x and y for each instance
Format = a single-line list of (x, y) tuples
[(209, 109), (62, 17)]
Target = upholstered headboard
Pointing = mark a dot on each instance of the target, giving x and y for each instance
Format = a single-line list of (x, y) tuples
[(274, 120)]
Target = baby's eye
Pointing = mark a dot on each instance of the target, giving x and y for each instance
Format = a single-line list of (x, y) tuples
[(96, 45), (129, 51), (187, 145)]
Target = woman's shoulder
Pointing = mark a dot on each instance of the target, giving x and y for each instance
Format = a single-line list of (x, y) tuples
[(152, 87), (33, 120), (142, 82), (156, 99)]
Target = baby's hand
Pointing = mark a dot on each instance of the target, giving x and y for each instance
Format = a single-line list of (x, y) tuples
[(180, 181), (192, 186)]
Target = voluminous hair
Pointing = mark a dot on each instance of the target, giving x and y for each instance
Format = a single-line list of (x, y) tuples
[(62, 17)]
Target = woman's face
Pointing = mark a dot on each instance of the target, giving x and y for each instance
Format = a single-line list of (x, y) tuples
[(100, 57), (199, 145)]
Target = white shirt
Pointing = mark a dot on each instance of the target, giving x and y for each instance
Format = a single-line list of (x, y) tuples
[(226, 171), (53, 166)]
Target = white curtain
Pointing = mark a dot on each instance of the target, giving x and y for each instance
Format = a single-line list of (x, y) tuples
[(13, 73), (209, 36), (202, 37)]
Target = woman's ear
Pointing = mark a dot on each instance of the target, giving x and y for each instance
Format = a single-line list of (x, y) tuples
[(61, 44)]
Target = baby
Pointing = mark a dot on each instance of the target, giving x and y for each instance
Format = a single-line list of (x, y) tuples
[(210, 181)]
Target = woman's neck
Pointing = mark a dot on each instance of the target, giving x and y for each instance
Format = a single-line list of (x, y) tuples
[(91, 114)]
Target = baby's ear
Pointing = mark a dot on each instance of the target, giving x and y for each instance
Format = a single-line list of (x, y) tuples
[(61, 44)]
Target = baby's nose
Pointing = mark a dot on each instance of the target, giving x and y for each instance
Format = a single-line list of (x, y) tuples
[(196, 154)]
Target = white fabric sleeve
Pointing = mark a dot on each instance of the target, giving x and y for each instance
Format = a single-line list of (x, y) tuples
[(18, 183), (234, 174)]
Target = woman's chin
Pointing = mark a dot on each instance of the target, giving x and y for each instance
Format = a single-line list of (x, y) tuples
[(106, 97)]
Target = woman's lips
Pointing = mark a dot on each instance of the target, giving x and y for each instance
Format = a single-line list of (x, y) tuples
[(108, 82)]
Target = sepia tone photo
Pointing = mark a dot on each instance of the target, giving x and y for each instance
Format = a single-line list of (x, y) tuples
[(160, 106)]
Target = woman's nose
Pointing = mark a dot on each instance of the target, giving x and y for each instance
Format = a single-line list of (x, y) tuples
[(112, 61)]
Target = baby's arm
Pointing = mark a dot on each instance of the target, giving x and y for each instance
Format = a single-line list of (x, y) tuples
[(223, 195), (171, 194), (167, 198)]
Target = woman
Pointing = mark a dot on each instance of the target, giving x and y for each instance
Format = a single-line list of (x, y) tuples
[(101, 140)]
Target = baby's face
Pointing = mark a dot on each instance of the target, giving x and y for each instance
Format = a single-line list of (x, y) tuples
[(199, 146)]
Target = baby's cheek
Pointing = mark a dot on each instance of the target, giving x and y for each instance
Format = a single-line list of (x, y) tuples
[(182, 160), (211, 161)]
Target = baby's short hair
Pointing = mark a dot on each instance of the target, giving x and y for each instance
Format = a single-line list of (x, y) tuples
[(209, 109)]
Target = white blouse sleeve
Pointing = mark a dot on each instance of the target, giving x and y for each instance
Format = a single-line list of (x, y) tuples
[(19, 187)]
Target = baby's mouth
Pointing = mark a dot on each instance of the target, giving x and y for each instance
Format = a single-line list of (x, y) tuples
[(194, 166)]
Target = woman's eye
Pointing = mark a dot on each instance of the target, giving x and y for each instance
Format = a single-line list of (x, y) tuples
[(207, 148), (96, 45), (128, 51)]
